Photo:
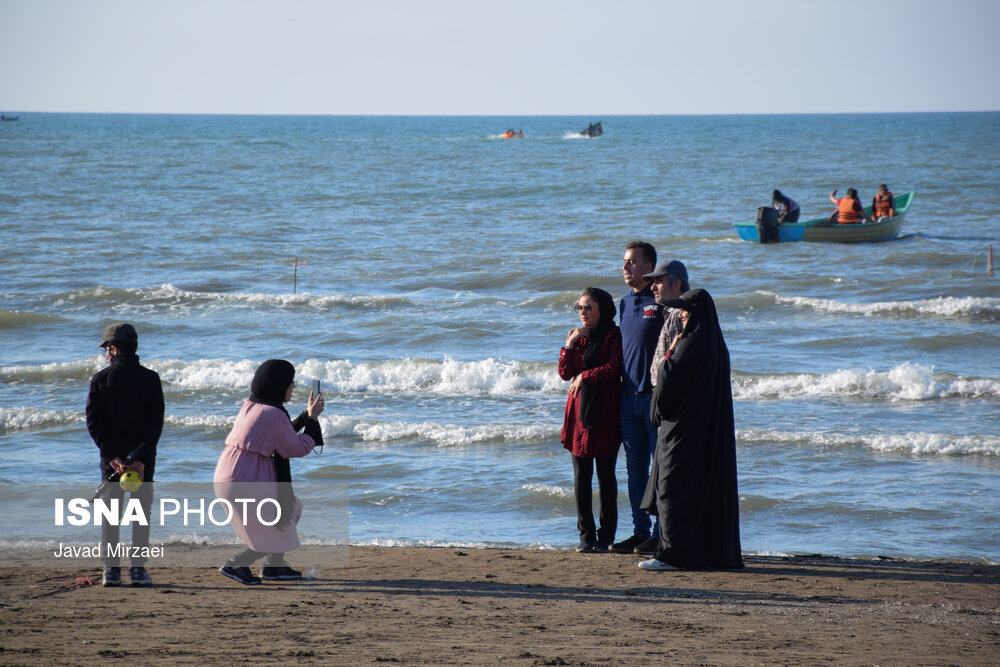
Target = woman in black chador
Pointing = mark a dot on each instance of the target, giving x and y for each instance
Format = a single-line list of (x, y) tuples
[(692, 484)]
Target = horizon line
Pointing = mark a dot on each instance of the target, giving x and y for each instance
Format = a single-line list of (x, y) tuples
[(495, 115)]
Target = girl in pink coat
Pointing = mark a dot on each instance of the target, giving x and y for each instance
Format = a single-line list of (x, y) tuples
[(254, 464)]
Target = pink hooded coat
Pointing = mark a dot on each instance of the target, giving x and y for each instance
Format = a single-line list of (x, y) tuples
[(260, 430)]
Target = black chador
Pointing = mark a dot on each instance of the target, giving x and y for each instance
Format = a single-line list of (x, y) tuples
[(692, 484)]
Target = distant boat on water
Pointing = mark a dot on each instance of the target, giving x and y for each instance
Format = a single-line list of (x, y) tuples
[(593, 130), (6, 117)]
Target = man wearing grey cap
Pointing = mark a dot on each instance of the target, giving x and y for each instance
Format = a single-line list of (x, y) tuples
[(124, 410), (669, 280)]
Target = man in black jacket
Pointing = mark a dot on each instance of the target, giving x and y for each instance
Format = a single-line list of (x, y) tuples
[(124, 409)]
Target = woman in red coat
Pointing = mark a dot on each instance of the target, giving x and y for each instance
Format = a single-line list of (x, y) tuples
[(592, 359)]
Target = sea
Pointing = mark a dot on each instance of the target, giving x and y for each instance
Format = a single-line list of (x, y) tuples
[(423, 269)]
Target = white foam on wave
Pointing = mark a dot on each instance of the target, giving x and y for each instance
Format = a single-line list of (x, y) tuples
[(14, 419), (227, 539), (205, 373), (908, 443), (449, 377), (945, 306), (493, 377), (447, 435), (215, 422), (25, 418), (905, 382), (168, 294), (487, 376), (547, 490)]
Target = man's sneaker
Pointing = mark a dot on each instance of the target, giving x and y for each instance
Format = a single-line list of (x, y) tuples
[(648, 548), (602, 547), (281, 573), (240, 574), (585, 547), (627, 546), (112, 577), (140, 577)]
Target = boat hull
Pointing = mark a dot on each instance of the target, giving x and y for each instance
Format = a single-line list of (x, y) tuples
[(817, 230)]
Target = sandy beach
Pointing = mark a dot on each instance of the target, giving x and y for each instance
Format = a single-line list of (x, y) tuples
[(497, 606)]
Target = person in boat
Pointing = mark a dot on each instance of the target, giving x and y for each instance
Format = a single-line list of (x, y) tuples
[(788, 208), (884, 204), (849, 210), (692, 486)]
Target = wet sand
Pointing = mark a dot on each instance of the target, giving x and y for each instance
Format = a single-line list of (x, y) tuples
[(496, 606)]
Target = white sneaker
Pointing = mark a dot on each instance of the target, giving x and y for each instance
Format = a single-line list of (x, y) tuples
[(657, 565)]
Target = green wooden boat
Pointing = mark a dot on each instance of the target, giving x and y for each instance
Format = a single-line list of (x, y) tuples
[(818, 230)]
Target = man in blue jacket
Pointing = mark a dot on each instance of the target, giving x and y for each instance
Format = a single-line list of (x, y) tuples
[(641, 319)]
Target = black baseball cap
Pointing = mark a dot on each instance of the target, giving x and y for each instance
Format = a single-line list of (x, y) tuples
[(123, 332)]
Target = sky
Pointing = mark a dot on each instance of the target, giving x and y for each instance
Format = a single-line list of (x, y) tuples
[(517, 57)]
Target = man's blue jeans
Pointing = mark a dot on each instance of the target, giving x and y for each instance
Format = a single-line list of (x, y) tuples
[(639, 437)]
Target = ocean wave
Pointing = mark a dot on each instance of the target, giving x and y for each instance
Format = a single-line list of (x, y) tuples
[(907, 443), (442, 435), (168, 295), (487, 376), (67, 370), (494, 377), (199, 539), (14, 419), (16, 319), (448, 376), (985, 308), (214, 422), (547, 490), (905, 382)]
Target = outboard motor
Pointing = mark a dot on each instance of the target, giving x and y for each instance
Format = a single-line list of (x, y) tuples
[(767, 224)]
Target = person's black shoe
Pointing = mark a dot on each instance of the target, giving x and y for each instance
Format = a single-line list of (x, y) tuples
[(627, 546), (585, 547), (602, 547), (140, 577), (648, 548), (112, 577), (240, 574), (282, 573)]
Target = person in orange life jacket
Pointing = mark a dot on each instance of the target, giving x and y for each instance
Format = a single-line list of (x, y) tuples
[(787, 207), (884, 204), (849, 209)]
